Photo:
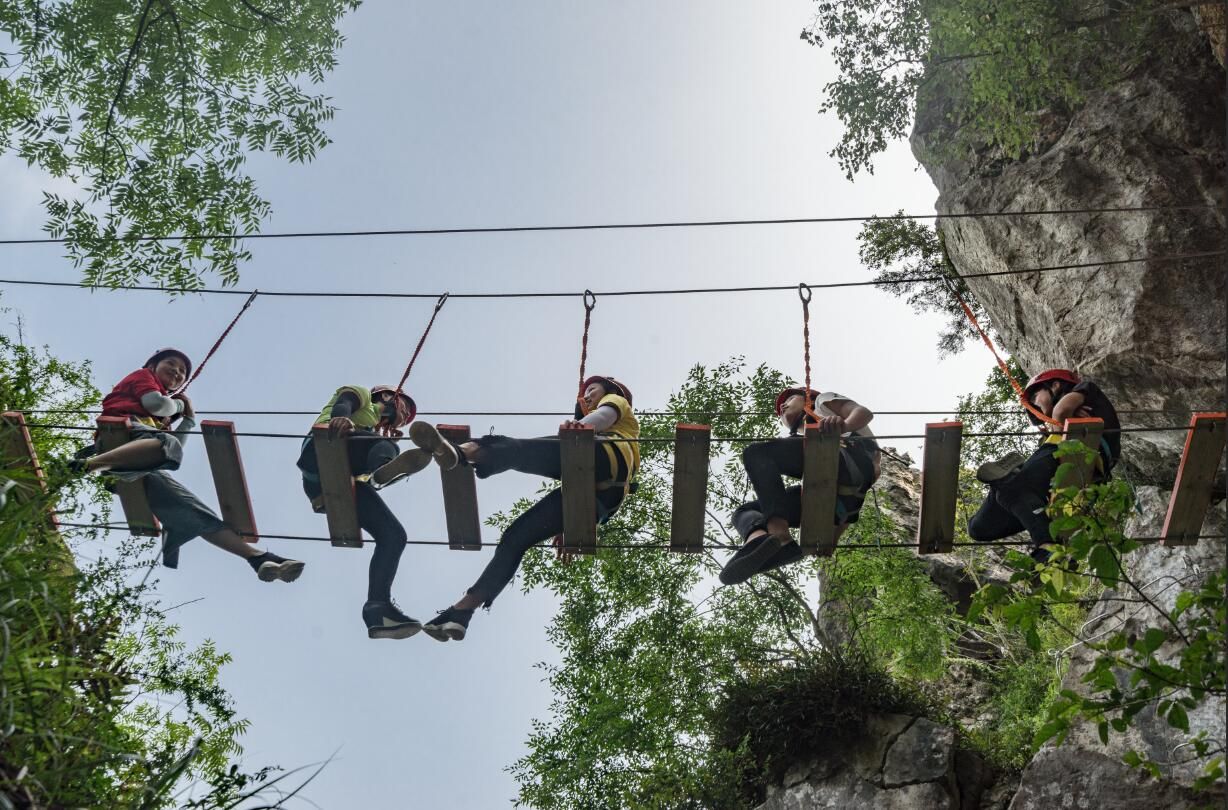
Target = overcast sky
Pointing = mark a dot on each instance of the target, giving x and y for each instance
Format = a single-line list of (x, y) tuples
[(488, 115)]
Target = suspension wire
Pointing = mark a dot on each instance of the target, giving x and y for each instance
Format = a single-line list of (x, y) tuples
[(115, 527), (670, 439), (622, 226), (218, 343), (678, 291)]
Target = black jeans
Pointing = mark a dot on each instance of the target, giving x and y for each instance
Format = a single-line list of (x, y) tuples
[(544, 519), (767, 462), (1018, 502), (366, 451)]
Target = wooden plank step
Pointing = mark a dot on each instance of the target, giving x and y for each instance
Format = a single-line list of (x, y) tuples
[(820, 475), (112, 433), (1192, 491), (576, 446), (692, 446), (939, 487), (229, 479), (17, 453), (460, 497), (338, 486)]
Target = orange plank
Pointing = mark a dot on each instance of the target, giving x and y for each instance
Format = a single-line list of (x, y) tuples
[(460, 497), (338, 485), (820, 476), (1193, 489), (112, 433), (939, 487), (692, 446), (576, 446), (229, 480)]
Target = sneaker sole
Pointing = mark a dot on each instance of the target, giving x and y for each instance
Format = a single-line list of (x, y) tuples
[(400, 467), (429, 439), (287, 571), (398, 631), (741, 568), (450, 631)]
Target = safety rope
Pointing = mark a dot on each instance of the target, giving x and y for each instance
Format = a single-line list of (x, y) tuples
[(590, 302), (804, 292), (421, 341), (218, 343), (1023, 397)]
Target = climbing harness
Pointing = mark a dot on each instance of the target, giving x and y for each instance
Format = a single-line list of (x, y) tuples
[(1023, 397)]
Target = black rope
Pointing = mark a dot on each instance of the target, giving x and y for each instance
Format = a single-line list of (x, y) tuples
[(683, 291), (622, 226)]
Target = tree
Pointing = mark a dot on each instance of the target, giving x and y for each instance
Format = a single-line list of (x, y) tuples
[(150, 108), (990, 66)]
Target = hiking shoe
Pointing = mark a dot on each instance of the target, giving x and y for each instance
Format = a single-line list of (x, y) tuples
[(385, 620), (406, 464), (429, 439), (450, 625), (270, 568), (993, 471), (790, 553), (752, 557)]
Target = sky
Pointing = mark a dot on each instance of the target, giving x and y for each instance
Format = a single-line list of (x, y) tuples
[(455, 115)]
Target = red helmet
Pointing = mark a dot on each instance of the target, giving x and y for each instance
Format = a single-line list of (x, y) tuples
[(406, 409), (784, 395), (1048, 375), (610, 384), (162, 354)]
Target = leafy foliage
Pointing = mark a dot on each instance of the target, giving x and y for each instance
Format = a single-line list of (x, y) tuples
[(911, 262), (150, 109), (1171, 667), (993, 66)]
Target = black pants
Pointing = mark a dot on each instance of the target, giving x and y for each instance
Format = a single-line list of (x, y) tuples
[(768, 462), (544, 519), (366, 451)]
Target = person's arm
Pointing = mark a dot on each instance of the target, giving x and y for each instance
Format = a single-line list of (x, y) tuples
[(158, 404), (340, 423), (1069, 407), (187, 422), (850, 417), (601, 419)]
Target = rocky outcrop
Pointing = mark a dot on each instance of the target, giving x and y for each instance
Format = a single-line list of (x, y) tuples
[(1066, 777), (1151, 333), (898, 763)]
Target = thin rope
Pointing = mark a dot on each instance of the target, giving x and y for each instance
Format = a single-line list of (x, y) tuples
[(443, 299), (590, 303), (804, 293), (679, 291), (218, 343), (616, 226), (1023, 397)]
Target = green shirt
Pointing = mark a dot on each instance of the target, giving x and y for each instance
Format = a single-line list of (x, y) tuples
[(368, 413)]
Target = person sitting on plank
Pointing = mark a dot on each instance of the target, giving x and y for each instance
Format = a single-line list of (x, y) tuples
[(764, 523), (1020, 486), (605, 406), (370, 419), (145, 399)]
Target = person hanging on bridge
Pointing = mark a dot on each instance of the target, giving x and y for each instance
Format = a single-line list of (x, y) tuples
[(1020, 487), (370, 419), (764, 523), (145, 399), (604, 405)]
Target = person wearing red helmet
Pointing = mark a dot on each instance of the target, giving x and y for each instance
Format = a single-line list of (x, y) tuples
[(1020, 486), (149, 399), (764, 523), (604, 405), (370, 420)]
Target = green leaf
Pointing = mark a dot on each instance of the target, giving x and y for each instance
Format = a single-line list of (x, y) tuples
[(1178, 719)]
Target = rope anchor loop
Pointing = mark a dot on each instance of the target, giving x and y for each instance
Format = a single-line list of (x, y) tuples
[(443, 299), (590, 300), (804, 292)]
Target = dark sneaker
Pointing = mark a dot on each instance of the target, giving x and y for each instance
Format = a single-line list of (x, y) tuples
[(789, 554), (750, 558), (429, 439), (406, 464), (450, 625), (270, 568), (993, 471), (385, 620)]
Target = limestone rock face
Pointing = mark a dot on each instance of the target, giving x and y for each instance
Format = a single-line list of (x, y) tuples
[(896, 762), (1070, 777), (1152, 334)]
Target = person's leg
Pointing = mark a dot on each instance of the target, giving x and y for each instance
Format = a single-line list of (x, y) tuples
[(491, 455), (135, 455), (766, 546), (992, 521), (1025, 495), (389, 535), (766, 465)]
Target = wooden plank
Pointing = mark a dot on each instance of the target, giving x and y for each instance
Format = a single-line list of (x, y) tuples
[(17, 453), (338, 485), (939, 487), (113, 432), (229, 480), (692, 445), (460, 497), (820, 475), (1192, 491), (576, 447)]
